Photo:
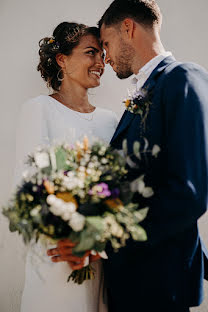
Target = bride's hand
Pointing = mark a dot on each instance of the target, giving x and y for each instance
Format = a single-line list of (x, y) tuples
[(63, 252)]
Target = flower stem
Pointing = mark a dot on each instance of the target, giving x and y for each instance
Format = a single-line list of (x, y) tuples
[(79, 276)]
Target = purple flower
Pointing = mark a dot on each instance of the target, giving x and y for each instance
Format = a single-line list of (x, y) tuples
[(100, 190)]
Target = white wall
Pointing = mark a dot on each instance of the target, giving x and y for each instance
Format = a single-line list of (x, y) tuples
[(22, 24)]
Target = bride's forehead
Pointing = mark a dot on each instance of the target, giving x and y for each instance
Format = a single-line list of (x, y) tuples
[(89, 41)]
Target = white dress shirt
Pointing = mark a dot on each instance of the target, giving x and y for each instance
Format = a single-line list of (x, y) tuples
[(139, 80)]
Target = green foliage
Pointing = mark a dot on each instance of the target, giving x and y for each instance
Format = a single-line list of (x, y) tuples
[(61, 159)]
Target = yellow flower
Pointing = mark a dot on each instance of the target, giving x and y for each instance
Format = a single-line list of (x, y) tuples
[(85, 143), (115, 204), (127, 102), (49, 187), (67, 197), (79, 150)]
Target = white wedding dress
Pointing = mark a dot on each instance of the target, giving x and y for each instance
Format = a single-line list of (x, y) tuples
[(44, 120)]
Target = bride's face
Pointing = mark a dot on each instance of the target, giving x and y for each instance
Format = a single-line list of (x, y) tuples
[(85, 65)]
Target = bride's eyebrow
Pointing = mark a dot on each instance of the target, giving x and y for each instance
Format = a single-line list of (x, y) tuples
[(96, 50)]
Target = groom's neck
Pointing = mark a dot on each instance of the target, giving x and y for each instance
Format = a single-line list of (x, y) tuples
[(147, 46)]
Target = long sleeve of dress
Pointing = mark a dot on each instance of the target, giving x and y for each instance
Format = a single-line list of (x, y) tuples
[(31, 133)]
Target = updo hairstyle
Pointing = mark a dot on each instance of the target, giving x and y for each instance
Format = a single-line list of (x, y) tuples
[(66, 37)]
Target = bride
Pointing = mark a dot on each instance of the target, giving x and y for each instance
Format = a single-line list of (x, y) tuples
[(71, 62)]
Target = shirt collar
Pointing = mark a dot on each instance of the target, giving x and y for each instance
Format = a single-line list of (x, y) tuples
[(144, 73)]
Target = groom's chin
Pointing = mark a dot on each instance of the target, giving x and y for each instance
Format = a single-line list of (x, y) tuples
[(124, 75)]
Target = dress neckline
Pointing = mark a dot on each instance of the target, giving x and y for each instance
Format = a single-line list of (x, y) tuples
[(69, 109)]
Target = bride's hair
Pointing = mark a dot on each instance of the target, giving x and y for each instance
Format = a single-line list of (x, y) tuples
[(66, 37)]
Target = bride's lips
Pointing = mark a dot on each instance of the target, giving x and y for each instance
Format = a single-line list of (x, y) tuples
[(97, 73)]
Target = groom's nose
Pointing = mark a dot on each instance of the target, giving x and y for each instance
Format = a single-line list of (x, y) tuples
[(107, 59)]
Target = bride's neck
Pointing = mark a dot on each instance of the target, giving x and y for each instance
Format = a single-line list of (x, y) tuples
[(74, 97)]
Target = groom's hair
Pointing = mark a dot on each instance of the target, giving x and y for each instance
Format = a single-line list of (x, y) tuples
[(145, 12)]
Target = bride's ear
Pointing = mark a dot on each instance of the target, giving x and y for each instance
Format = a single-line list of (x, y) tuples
[(60, 59)]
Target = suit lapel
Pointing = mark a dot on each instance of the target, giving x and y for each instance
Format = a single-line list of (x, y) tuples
[(149, 85), (123, 124)]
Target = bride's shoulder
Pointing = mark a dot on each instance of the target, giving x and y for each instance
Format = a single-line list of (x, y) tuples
[(38, 103)]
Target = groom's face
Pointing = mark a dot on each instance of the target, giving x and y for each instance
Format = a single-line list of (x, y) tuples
[(119, 54)]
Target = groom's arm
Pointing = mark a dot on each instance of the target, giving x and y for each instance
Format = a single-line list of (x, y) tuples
[(179, 203)]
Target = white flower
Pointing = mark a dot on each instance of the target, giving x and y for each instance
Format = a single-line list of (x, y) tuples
[(82, 169), (42, 159), (53, 159), (55, 211), (87, 157), (80, 184), (103, 255), (35, 211), (86, 261), (66, 215), (70, 174), (51, 199), (77, 222), (91, 165), (104, 161), (35, 188), (71, 207), (26, 175)]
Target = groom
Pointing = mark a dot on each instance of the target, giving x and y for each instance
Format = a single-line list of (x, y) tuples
[(164, 274)]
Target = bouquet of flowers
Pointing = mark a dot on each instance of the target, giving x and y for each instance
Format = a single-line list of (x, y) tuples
[(78, 192)]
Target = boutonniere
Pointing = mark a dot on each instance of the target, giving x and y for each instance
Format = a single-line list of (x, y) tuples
[(139, 103)]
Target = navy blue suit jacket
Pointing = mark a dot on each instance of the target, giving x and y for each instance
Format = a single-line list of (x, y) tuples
[(168, 269)]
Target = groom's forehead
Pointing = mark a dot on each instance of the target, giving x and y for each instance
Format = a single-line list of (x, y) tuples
[(106, 32)]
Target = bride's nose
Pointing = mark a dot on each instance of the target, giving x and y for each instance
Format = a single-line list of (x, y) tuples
[(100, 62)]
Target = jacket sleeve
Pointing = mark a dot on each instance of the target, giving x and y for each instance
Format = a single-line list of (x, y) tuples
[(183, 198)]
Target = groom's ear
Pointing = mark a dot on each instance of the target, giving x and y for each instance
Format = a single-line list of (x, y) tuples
[(128, 28)]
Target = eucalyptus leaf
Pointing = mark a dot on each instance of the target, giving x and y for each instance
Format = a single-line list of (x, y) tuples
[(147, 192), (130, 162), (12, 227), (136, 149), (146, 144), (141, 214), (74, 237), (87, 242), (155, 150), (96, 223), (99, 246), (138, 233), (61, 158), (125, 147)]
